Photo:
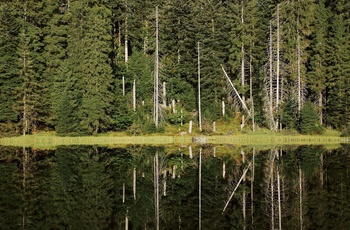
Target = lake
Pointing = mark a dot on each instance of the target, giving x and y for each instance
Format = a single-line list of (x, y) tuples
[(175, 187)]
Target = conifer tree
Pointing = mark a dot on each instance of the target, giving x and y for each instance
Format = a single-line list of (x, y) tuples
[(338, 70), (30, 47), (55, 42), (9, 71), (317, 72), (96, 69)]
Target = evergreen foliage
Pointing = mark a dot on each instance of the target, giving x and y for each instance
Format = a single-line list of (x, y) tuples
[(62, 62), (309, 121)]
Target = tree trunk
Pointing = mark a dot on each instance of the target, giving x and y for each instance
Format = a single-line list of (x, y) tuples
[(199, 92), (156, 76), (134, 95)]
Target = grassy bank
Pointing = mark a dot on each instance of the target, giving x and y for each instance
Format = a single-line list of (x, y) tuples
[(258, 138)]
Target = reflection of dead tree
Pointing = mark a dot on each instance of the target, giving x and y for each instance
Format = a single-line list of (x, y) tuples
[(273, 190), (239, 182), (159, 169)]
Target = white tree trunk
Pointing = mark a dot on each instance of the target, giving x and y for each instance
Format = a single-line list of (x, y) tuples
[(199, 91), (134, 95), (156, 76), (223, 108), (164, 94)]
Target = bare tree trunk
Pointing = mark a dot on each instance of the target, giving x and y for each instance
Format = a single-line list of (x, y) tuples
[(320, 105), (251, 86), (223, 170), (134, 95), (126, 51), (278, 58), (123, 85), (123, 193), (223, 108), (272, 122), (164, 94), (242, 63), (156, 76), (199, 92), (299, 72)]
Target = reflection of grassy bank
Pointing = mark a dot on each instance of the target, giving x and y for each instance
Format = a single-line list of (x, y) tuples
[(259, 138)]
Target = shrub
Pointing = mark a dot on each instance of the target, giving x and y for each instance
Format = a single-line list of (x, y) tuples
[(309, 120)]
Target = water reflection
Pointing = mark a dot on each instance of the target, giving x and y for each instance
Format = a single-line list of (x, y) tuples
[(191, 187)]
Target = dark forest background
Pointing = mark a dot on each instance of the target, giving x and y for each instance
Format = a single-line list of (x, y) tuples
[(62, 63)]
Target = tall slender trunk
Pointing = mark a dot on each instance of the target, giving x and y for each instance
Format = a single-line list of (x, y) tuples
[(299, 71), (278, 58), (199, 91), (271, 80), (126, 51), (156, 76), (251, 86), (320, 105), (242, 62), (134, 95)]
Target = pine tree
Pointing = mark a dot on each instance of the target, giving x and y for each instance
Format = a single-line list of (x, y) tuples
[(30, 92), (317, 72), (9, 71), (309, 120), (97, 78), (54, 53), (337, 83)]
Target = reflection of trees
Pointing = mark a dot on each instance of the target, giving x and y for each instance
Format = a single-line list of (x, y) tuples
[(82, 187)]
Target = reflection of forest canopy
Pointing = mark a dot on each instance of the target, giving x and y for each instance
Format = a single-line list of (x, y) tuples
[(70, 66), (73, 187)]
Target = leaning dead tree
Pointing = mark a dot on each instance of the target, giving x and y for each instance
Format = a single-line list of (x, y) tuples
[(234, 93)]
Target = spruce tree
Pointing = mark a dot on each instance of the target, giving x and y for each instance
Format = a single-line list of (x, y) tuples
[(9, 70), (309, 120), (30, 92), (96, 69), (338, 70), (317, 72)]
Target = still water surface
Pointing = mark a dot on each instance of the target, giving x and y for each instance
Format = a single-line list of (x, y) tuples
[(172, 187)]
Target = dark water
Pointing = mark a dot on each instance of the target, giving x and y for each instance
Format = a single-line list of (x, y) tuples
[(82, 187)]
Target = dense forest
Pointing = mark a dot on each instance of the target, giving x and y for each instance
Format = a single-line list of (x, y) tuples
[(89, 66)]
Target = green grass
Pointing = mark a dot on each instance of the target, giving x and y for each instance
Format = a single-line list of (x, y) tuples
[(174, 135)]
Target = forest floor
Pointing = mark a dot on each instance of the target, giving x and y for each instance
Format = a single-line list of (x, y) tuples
[(178, 135)]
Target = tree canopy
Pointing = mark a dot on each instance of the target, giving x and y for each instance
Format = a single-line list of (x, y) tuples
[(84, 67)]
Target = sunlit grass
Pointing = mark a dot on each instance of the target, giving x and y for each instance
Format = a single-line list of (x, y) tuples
[(226, 133)]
